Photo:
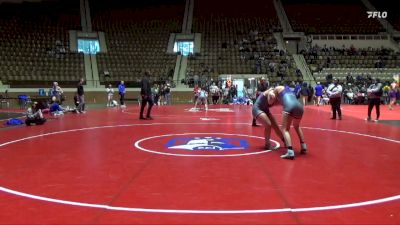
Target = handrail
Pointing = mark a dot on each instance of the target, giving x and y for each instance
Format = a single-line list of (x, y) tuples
[(350, 36)]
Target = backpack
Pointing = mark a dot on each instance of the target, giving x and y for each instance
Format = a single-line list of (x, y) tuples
[(14, 122)]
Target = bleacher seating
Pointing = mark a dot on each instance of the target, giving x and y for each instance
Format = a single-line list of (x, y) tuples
[(137, 35), (367, 59), (29, 35), (224, 27), (382, 63), (330, 17), (385, 74)]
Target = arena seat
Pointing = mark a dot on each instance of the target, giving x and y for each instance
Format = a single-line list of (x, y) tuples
[(140, 42), (29, 33), (316, 17), (225, 31)]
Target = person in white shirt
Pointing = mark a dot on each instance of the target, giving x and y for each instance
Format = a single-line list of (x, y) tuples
[(215, 92), (202, 98), (110, 94), (334, 92)]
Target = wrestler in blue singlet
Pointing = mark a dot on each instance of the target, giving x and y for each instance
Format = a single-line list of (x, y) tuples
[(290, 103), (260, 106)]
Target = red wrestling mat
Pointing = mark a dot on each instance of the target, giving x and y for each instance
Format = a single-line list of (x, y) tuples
[(197, 167)]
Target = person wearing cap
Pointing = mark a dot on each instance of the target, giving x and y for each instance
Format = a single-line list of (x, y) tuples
[(261, 87), (334, 92), (374, 92)]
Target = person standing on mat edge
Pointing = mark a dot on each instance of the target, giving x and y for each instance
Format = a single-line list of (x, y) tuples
[(145, 92), (334, 92), (393, 92), (81, 97), (374, 92), (121, 91), (318, 93), (261, 87)]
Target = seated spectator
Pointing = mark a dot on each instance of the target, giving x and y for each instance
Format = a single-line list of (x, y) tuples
[(55, 108), (298, 73), (325, 98), (34, 115)]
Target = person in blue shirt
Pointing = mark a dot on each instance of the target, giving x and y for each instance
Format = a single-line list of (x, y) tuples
[(121, 91), (297, 90), (318, 92)]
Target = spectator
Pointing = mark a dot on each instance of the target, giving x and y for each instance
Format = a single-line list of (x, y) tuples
[(167, 91), (122, 91), (318, 92), (298, 73), (349, 79), (214, 93), (156, 94), (350, 96), (304, 93), (310, 93), (81, 97), (110, 94), (57, 92), (34, 115), (196, 79), (393, 93), (328, 78)]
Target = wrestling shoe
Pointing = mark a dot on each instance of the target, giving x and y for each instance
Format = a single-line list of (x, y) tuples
[(289, 155), (303, 150)]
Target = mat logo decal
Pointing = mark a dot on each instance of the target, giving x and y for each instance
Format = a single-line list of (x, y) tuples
[(207, 143)]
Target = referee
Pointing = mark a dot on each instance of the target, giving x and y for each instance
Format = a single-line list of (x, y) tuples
[(145, 92)]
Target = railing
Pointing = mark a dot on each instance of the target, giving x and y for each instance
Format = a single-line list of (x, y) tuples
[(348, 37)]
